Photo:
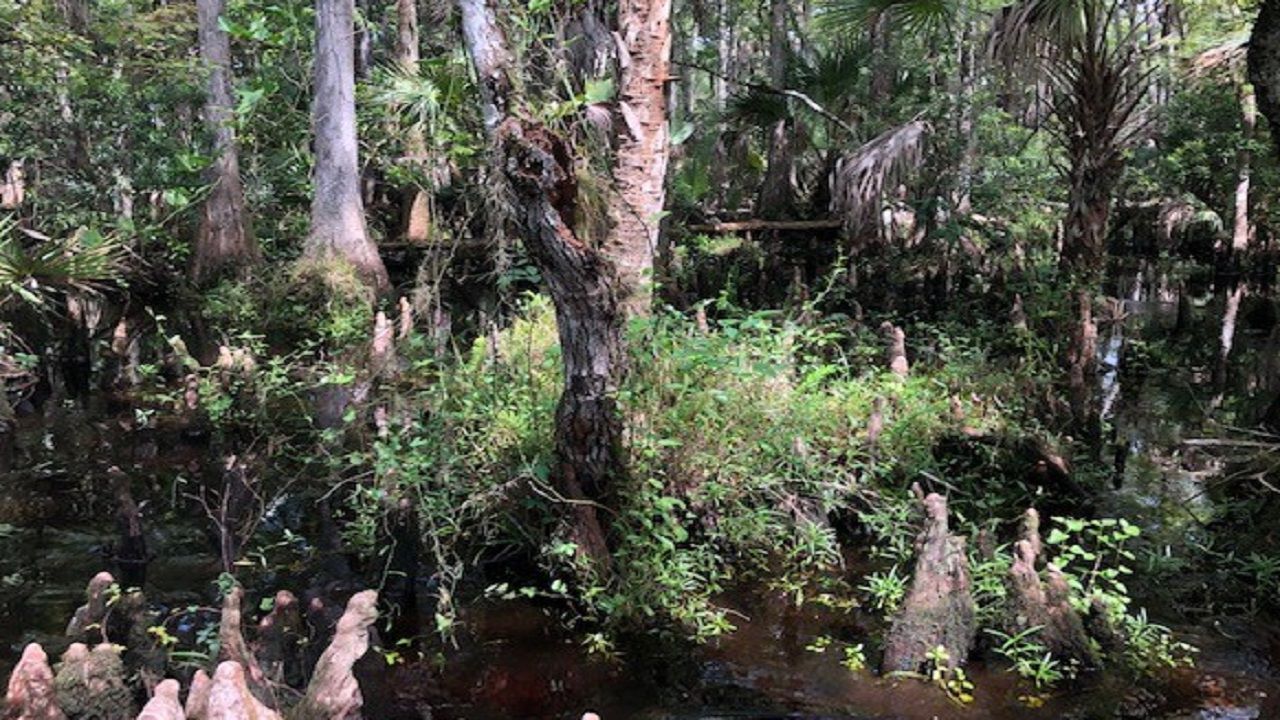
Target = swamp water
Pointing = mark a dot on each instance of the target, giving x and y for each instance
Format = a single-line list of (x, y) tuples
[(515, 660)]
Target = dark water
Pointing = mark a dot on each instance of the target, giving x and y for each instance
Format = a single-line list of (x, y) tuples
[(517, 660)]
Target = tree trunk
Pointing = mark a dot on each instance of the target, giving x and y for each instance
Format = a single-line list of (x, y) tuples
[(1226, 340), (965, 120), (641, 166), (1084, 236), (338, 229), (224, 240), (415, 211), (588, 425), (1242, 229), (487, 46), (1264, 62), (777, 193), (1082, 364), (538, 166)]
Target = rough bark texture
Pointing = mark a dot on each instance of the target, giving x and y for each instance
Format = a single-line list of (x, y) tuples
[(538, 168), (938, 610), (641, 167), (1045, 603), (588, 425), (225, 697), (232, 645), (487, 46), (338, 229), (164, 704), (86, 623), (90, 684), (333, 693), (1084, 233), (224, 240), (31, 692), (1264, 62)]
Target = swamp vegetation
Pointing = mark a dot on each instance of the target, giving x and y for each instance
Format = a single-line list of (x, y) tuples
[(647, 359)]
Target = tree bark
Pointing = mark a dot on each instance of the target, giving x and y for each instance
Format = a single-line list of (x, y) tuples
[(487, 46), (641, 167), (415, 211), (777, 193), (538, 166), (338, 229), (1084, 232), (1264, 62), (224, 240), (938, 610), (965, 123), (1082, 363), (1242, 229)]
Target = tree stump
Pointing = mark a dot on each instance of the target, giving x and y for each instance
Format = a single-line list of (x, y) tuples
[(938, 610)]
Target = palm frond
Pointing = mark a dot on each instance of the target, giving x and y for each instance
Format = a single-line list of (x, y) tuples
[(38, 274), (1032, 28), (757, 107), (831, 75), (430, 95), (859, 179), (914, 16)]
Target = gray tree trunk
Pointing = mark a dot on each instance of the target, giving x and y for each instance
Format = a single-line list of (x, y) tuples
[(338, 229), (1264, 62), (1242, 229), (490, 59), (224, 240)]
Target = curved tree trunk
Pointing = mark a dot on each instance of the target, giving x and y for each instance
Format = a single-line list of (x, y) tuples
[(337, 213), (538, 166), (641, 169), (224, 240)]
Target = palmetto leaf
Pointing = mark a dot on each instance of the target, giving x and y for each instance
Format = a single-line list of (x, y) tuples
[(42, 272), (916, 16)]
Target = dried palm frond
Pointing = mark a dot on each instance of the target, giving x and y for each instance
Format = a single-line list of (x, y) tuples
[(1229, 58), (1035, 28), (860, 178)]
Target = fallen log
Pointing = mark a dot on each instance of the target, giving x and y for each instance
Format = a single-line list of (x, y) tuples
[(749, 225)]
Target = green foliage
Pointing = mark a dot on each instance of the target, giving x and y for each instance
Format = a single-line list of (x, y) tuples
[(886, 589), (40, 272), (1093, 557), (1029, 659)]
